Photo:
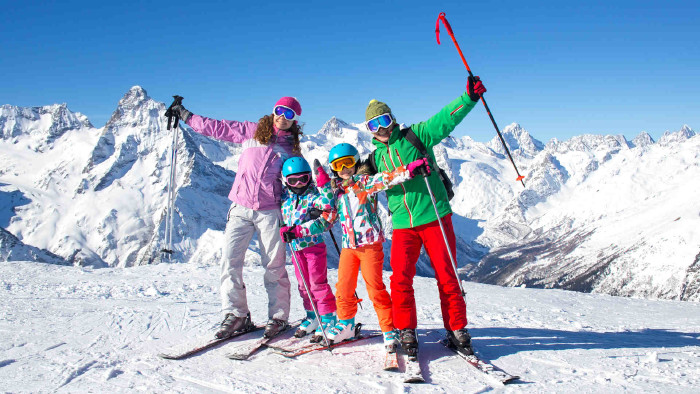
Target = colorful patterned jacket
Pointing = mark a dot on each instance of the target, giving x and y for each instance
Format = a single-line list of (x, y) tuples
[(356, 206), (295, 211)]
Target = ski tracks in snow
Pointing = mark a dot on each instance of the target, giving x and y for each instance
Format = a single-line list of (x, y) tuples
[(70, 329)]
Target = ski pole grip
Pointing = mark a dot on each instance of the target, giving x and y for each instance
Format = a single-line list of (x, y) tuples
[(424, 171), (169, 112)]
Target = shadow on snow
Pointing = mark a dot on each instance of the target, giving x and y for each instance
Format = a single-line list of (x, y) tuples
[(497, 342)]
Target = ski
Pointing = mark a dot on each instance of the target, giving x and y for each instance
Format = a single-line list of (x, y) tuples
[(482, 365), (201, 344), (244, 352), (413, 372), (312, 347), (391, 361)]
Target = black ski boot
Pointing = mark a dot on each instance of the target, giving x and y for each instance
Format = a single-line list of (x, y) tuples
[(274, 327), (461, 340), (233, 324), (409, 341)]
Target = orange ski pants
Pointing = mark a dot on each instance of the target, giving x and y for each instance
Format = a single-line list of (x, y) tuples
[(369, 259)]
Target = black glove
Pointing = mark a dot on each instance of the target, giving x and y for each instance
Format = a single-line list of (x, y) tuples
[(288, 236), (314, 213), (179, 111)]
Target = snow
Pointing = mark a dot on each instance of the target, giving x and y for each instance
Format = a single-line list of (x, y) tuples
[(78, 329), (599, 213)]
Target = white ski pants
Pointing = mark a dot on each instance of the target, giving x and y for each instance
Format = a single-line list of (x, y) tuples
[(241, 225)]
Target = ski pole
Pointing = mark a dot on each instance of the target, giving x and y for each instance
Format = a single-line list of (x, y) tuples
[(330, 231), (173, 120), (311, 297), (444, 235), (449, 31)]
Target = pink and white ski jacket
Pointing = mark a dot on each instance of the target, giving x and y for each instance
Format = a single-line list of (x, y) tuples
[(258, 183)]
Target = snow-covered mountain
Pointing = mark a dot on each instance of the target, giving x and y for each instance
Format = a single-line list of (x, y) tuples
[(598, 213), (96, 196)]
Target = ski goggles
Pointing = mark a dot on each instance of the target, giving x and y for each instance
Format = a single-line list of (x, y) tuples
[(287, 112), (347, 162), (297, 180), (380, 121)]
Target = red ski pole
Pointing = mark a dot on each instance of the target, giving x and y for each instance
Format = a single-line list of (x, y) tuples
[(442, 18)]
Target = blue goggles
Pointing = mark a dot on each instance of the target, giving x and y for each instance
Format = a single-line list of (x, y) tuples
[(375, 124), (288, 113)]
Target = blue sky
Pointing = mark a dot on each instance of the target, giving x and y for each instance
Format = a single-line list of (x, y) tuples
[(603, 67)]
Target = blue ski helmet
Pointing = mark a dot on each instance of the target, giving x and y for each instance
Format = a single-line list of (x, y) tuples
[(295, 165), (343, 150)]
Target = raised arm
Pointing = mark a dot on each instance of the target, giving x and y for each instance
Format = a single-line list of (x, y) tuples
[(372, 184), (440, 125), (225, 130)]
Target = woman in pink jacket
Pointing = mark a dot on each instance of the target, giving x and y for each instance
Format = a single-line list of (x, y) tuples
[(255, 194)]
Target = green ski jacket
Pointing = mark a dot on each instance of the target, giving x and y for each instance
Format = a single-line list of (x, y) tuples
[(409, 202)]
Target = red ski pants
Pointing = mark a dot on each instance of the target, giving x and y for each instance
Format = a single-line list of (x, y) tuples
[(405, 249)]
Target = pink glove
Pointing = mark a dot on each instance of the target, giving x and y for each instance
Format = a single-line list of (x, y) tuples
[(419, 166), (321, 177), (285, 229), (288, 233)]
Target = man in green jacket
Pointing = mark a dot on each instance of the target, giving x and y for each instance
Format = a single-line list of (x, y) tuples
[(413, 215)]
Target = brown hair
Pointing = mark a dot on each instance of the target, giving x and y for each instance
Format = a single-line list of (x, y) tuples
[(265, 131)]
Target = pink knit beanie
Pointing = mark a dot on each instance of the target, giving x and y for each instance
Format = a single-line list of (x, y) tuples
[(290, 102)]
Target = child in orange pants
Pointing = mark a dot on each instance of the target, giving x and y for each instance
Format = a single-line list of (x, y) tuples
[(363, 236)]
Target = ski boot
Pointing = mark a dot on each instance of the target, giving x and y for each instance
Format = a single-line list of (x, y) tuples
[(327, 321), (409, 341), (233, 324), (274, 327), (307, 326), (461, 340), (391, 341), (343, 329)]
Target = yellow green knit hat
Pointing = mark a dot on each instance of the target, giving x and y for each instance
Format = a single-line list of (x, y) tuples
[(376, 108)]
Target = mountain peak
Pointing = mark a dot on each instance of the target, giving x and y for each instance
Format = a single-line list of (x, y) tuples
[(643, 139), (134, 97), (134, 109), (677, 136), (44, 124), (333, 126), (517, 139)]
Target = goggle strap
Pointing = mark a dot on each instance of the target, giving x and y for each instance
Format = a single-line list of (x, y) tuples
[(274, 111)]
